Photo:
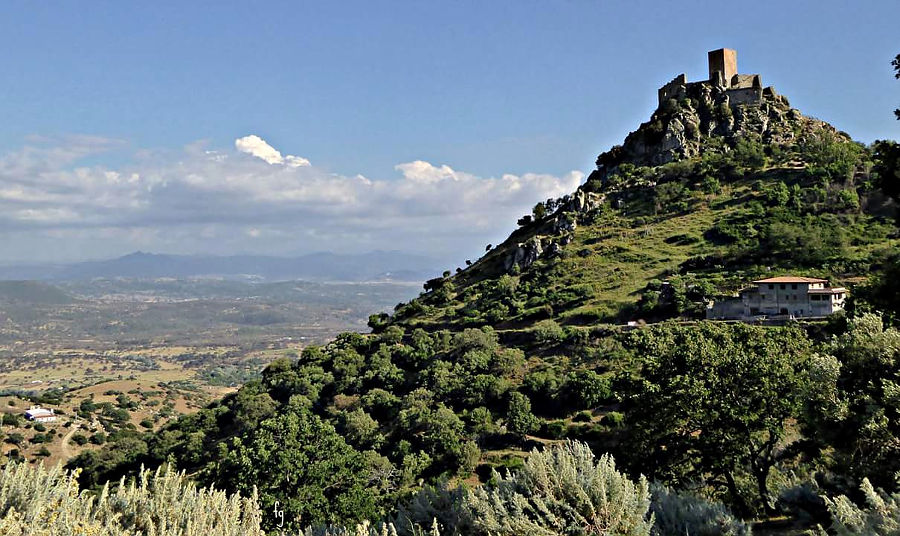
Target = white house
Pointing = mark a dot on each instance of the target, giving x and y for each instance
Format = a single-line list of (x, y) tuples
[(39, 414), (786, 296)]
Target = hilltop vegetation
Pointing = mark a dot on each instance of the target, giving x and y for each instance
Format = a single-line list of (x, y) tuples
[(794, 195), (520, 350)]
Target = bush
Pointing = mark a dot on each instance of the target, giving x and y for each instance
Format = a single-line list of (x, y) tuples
[(677, 514), (368, 529), (553, 429), (882, 515), (614, 419), (711, 185), (548, 332), (583, 416), (50, 499), (561, 490)]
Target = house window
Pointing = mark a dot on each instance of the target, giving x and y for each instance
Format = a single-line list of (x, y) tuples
[(771, 287), (782, 286), (814, 298), (794, 286)]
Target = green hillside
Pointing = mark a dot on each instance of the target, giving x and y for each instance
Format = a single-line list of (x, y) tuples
[(785, 195), (522, 349), (33, 293)]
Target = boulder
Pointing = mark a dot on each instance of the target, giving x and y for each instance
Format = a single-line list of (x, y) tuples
[(525, 254)]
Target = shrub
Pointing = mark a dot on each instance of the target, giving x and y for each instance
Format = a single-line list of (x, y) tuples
[(881, 516), (554, 429), (677, 514), (583, 416), (711, 185), (368, 529), (561, 490), (614, 419), (50, 498), (548, 332)]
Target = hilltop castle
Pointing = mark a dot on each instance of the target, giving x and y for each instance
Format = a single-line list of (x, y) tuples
[(693, 117), (723, 75)]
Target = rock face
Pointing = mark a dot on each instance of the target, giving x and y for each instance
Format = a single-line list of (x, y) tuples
[(682, 127), (525, 254), (556, 232)]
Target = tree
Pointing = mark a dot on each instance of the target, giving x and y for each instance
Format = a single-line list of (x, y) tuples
[(299, 460), (519, 419), (712, 402), (539, 211), (863, 425), (587, 389), (896, 64)]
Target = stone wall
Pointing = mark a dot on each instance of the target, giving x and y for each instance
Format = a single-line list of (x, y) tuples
[(727, 309), (748, 95), (743, 81), (674, 89)]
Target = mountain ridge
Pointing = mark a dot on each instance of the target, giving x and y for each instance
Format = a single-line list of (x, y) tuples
[(320, 266)]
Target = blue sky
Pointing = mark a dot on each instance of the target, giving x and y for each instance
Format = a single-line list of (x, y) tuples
[(530, 91)]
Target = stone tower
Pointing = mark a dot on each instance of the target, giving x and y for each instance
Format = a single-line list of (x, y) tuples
[(724, 61)]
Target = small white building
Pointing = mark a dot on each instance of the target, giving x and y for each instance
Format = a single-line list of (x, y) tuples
[(39, 414)]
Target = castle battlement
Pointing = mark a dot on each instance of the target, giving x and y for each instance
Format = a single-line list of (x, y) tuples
[(723, 76)]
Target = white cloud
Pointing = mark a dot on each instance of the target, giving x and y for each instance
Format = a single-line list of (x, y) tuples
[(258, 147), (211, 201), (425, 172)]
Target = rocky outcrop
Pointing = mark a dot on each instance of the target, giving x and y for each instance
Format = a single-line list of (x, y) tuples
[(556, 231), (682, 128), (564, 222), (525, 254)]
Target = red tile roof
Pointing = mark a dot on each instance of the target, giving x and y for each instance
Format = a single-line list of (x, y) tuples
[(791, 279)]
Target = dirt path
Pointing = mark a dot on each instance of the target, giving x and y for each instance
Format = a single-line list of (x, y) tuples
[(66, 453)]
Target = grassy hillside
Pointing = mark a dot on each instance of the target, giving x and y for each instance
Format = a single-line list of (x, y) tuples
[(518, 350), (707, 224)]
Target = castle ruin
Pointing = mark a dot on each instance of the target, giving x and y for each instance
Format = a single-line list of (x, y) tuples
[(724, 77)]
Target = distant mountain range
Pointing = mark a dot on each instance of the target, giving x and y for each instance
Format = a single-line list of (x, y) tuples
[(372, 266)]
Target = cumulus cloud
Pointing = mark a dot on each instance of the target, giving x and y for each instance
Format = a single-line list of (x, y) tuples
[(203, 200), (427, 173), (258, 147)]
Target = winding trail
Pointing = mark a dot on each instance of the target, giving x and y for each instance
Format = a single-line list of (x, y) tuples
[(66, 453)]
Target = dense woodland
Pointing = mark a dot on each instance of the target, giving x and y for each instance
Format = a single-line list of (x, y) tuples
[(508, 401)]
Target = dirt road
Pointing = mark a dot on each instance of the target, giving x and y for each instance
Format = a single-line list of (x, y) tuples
[(66, 453)]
